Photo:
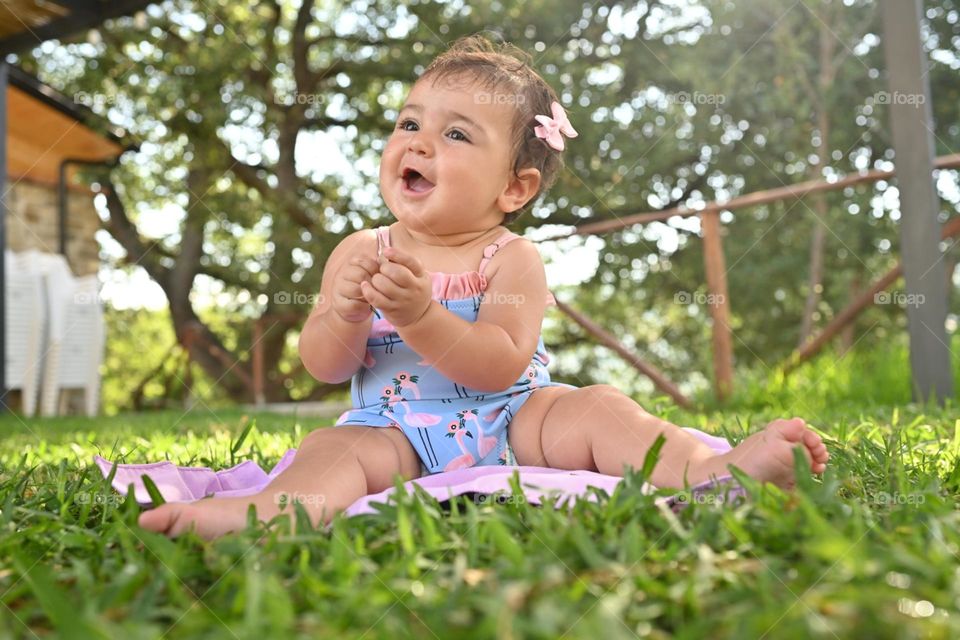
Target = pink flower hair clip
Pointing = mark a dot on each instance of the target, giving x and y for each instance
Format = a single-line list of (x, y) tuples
[(551, 128)]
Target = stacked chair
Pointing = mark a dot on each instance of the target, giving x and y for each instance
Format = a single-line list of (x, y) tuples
[(55, 332)]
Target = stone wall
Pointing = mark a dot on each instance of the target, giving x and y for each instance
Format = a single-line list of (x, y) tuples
[(32, 223)]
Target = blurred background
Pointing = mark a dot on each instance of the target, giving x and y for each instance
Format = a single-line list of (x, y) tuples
[(241, 143)]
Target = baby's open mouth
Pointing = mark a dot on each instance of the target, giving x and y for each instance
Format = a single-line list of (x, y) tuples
[(414, 181)]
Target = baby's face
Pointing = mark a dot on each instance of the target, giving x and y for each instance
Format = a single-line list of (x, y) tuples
[(448, 158)]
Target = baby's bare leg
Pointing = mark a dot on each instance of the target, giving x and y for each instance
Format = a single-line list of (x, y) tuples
[(333, 468), (600, 428)]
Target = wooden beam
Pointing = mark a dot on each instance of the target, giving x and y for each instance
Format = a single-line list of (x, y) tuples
[(257, 350), (767, 196), (64, 25), (607, 340), (812, 346), (717, 302)]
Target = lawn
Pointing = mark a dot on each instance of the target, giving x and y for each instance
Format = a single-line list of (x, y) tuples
[(869, 550)]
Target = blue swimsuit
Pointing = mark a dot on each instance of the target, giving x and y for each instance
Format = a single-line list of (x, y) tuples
[(449, 425)]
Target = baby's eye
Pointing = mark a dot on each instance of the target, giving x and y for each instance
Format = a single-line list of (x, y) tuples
[(458, 135), (404, 125)]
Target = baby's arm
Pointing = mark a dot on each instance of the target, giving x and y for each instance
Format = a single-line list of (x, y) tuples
[(332, 348), (492, 353)]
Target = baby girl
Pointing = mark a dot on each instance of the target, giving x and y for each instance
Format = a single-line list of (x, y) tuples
[(436, 318)]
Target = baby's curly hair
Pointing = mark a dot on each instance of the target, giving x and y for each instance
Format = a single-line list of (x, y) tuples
[(505, 70)]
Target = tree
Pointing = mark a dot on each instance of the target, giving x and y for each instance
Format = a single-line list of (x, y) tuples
[(675, 102)]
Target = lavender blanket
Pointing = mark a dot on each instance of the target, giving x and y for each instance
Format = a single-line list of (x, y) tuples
[(186, 484)]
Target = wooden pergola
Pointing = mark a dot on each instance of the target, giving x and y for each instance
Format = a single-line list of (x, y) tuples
[(43, 134)]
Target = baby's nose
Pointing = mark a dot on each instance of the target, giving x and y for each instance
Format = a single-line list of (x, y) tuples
[(419, 145)]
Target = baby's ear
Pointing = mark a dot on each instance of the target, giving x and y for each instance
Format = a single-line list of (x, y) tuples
[(521, 188)]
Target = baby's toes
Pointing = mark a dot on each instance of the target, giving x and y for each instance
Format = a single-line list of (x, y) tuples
[(820, 457), (159, 520), (811, 440), (791, 430), (820, 454)]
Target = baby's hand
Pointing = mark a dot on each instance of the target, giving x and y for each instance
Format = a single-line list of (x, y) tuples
[(402, 288), (348, 300)]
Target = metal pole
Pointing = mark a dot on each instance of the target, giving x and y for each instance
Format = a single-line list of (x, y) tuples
[(911, 119)]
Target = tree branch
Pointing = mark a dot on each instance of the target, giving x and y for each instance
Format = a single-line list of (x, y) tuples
[(125, 232), (249, 175), (301, 48)]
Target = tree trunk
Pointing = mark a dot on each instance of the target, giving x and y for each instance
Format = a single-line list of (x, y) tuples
[(204, 346), (818, 240), (849, 333)]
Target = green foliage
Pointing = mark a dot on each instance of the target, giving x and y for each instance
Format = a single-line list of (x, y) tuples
[(677, 103), (868, 550), (139, 343), (141, 355)]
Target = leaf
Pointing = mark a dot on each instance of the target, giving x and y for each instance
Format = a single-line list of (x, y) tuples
[(405, 529), (63, 613), (651, 457), (235, 447), (155, 497), (504, 542)]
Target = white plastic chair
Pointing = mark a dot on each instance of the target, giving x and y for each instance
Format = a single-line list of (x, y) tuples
[(74, 350), (26, 319)]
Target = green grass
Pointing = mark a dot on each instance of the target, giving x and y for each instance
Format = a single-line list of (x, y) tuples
[(870, 550)]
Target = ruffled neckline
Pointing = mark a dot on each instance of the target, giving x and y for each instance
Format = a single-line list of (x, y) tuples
[(455, 286)]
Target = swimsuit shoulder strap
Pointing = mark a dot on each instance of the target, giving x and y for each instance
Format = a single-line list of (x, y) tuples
[(491, 249), (383, 238)]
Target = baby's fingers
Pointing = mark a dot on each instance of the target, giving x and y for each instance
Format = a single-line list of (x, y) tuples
[(356, 273), (405, 259), (368, 264), (399, 274), (372, 296), (351, 290)]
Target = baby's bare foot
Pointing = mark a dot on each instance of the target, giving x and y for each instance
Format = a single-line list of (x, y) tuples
[(210, 517), (768, 455)]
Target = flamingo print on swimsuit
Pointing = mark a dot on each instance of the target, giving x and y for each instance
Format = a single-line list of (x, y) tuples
[(485, 443), (391, 399), (388, 397), (413, 419), (404, 380), (415, 397), (466, 460)]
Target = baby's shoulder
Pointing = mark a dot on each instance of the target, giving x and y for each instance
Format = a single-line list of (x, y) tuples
[(516, 251), (362, 241), (516, 246)]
